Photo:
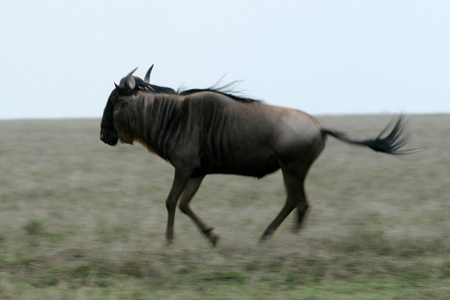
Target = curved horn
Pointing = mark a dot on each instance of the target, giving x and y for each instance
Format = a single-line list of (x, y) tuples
[(128, 81), (147, 76)]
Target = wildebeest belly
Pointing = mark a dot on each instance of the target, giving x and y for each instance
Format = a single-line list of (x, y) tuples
[(249, 164)]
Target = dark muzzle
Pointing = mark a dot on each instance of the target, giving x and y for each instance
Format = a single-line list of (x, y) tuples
[(109, 136)]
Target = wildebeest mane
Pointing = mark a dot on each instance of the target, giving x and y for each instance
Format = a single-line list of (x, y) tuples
[(225, 90), (163, 89)]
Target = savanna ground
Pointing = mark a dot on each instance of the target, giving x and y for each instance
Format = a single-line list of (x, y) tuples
[(82, 220)]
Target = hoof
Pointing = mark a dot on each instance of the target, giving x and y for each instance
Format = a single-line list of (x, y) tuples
[(296, 230), (263, 238), (169, 239), (213, 238)]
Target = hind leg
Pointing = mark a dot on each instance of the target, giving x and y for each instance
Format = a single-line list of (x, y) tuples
[(302, 208), (285, 211), (296, 198), (296, 151), (294, 182)]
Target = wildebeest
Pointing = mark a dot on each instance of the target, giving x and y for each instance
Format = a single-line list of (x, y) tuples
[(210, 131)]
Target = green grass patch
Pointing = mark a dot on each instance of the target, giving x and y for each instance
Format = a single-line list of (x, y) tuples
[(34, 227)]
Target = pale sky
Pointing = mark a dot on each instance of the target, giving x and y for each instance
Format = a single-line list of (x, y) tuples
[(60, 59)]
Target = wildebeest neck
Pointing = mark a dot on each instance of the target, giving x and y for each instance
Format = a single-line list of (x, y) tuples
[(151, 119)]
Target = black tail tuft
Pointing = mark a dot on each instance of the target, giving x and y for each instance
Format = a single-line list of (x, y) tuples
[(390, 144)]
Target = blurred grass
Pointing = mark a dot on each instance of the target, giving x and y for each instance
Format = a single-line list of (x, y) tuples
[(82, 220)]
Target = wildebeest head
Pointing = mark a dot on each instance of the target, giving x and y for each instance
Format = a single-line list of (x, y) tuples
[(128, 86), (108, 133)]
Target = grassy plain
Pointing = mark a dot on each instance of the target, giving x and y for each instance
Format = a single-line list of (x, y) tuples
[(82, 220)]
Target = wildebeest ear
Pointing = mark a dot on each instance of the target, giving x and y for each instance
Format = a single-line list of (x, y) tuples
[(128, 82), (147, 76)]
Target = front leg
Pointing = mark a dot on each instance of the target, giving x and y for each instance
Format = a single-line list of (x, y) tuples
[(179, 183), (188, 193)]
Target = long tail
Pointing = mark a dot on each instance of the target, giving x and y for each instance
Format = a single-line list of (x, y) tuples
[(390, 144)]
